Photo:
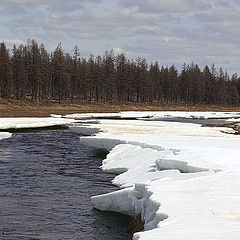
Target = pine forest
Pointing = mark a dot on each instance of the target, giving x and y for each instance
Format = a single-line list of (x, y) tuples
[(29, 72)]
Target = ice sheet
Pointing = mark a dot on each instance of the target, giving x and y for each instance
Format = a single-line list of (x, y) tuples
[(159, 114), (199, 208), (182, 178), (16, 123)]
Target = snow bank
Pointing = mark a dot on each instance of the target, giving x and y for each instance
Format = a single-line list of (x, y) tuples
[(18, 123), (182, 178)]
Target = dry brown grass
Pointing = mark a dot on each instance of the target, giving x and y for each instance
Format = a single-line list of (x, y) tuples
[(15, 108)]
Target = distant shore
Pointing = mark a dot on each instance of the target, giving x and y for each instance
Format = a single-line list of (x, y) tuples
[(15, 108)]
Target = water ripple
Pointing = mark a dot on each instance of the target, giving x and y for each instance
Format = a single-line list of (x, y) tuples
[(46, 181)]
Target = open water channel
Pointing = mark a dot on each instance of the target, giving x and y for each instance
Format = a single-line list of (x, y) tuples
[(46, 181)]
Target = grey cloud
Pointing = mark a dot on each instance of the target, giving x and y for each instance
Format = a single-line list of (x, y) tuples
[(223, 31), (220, 25), (163, 5), (177, 51), (24, 6), (173, 31), (218, 16), (95, 23)]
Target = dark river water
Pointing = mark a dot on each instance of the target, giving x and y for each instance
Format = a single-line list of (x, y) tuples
[(46, 181)]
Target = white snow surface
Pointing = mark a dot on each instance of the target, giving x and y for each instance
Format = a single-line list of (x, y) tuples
[(92, 115), (182, 178), (16, 123), (160, 114)]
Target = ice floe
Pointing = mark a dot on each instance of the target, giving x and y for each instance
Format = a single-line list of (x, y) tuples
[(5, 135), (184, 179), (19, 123)]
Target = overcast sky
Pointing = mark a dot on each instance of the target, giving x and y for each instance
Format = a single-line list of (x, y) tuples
[(168, 31)]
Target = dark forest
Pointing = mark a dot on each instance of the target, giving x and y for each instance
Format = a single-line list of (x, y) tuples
[(29, 72)]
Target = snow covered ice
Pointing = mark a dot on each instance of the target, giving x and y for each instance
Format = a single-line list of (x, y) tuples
[(159, 114), (18, 123), (184, 179)]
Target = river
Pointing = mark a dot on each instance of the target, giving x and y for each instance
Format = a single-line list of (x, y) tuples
[(46, 181)]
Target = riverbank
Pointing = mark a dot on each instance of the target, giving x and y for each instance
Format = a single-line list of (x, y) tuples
[(15, 108)]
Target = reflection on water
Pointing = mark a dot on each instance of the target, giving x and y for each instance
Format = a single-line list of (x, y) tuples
[(46, 181), (5, 156)]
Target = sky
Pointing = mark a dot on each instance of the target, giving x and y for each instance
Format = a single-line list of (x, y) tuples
[(167, 31)]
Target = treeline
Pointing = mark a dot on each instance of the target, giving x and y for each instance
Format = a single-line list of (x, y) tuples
[(29, 72)]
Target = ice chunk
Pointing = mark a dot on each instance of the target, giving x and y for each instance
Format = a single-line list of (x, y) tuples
[(56, 116), (105, 143), (5, 135), (84, 129), (124, 201)]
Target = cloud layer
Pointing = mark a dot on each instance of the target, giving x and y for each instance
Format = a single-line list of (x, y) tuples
[(171, 32)]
